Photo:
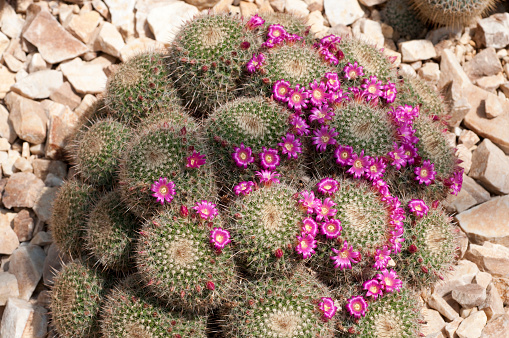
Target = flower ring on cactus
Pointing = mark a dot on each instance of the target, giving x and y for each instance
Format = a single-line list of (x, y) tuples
[(382, 258), (398, 156), (418, 207), (290, 146), (321, 114), (324, 137), (255, 63), (390, 92), (276, 32), (254, 22), (206, 210), (196, 160), (309, 226), (357, 306), (353, 71), (299, 125), (331, 228), (390, 280), (327, 186), (306, 245), (425, 173), (376, 169), (269, 159), (359, 164), (324, 209), (281, 90), (308, 202), (345, 257), (372, 88), (327, 307), (333, 83), (267, 177), (298, 98), (373, 287), (318, 93), (343, 154), (163, 189), (243, 156), (243, 188), (220, 238)]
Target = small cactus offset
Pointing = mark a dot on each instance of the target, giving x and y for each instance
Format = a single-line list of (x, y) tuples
[(252, 181), (452, 12)]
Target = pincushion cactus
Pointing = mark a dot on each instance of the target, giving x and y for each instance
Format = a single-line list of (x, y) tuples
[(452, 13), (314, 164)]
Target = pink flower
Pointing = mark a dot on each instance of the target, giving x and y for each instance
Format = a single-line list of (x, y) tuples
[(271, 42), (376, 169), (290, 146), (196, 160), (345, 257), (390, 280), (398, 156), (308, 202), (324, 137), (327, 186), (357, 306), (418, 207), (254, 22), (318, 93), (455, 182), (206, 210), (267, 177), (359, 163), (299, 125), (406, 133), (333, 83), (281, 90), (309, 226), (269, 158), (324, 209), (292, 38), (220, 238), (343, 154), (425, 173), (163, 190), (373, 287), (276, 32), (338, 97), (244, 188), (242, 156), (382, 258), (352, 71), (328, 308), (321, 114), (331, 228), (410, 152), (298, 98), (306, 245), (373, 87), (255, 63), (390, 92), (404, 114), (397, 242)]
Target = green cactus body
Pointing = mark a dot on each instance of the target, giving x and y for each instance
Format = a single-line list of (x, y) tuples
[(139, 87), (97, 150), (400, 16), (256, 123), (283, 307), (76, 299), (292, 24), (267, 220), (128, 313), (161, 150), (70, 213), (207, 59), (111, 232), (179, 265), (416, 91), (452, 13), (297, 63), (429, 249)]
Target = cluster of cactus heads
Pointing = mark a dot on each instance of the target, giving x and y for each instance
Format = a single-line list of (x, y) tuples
[(251, 181)]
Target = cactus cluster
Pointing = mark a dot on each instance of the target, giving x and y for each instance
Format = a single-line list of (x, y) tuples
[(452, 12), (252, 181)]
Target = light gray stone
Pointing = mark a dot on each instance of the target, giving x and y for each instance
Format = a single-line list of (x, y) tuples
[(468, 138), (451, 70), (22, 190), (343, 12), (44, 202), (109, 40), (469, 295), (163, 30), (8, 238), (491, 258), (15, 317), (53, 264), (438, 303), (83, 25), (297, 7), (143, 7), (26, 264), (450, 328), (133, 47), (39, 85), (6, 128), (37, 63), (430, 72), (85, 78), (8, 287), (497, 328), (470, 195), (483, 279), (485, 63), (369, 31), (416, 50), (122, 15), (493, 107), (42, 238), (491, 83), (27, 118), (462, 274), (493, 306), (489, 166), (472, 326), (492, 32), (434, 322), (11, 23)]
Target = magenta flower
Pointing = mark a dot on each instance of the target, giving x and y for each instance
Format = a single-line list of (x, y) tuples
[(271, 42), (309, 202), (206, 210), (306, 245), (406, 133), (343, 154), (373, 87), (425, 173), (330, 41), (269, 158), (331, 228), (318, 93), (410, 152), (418, 208), (163, 190), (390, 280), (327, 307), (243, 156), (390, 92), (267, 177), (276, 32), (455, 182), (220, 238), (328, 56), (321, 114), (345, 257), (357, 306), (254, 22), (281, 90), (404, 114), (243, 188), (352, 71), (399, 159), (309, 226), (376, 169), (359, 164), (373, 287), (327, 186), (382, 258), (292, 38), (333, 83), (290, 146), (338, 97), (255, 63), (298, 98), (397, 243), (196, 160), (299, 125), (324, 137), (324, 209)]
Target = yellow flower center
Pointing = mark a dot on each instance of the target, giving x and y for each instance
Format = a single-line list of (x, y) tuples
[(243, 156), (193, 162), (373, 169), (326, 307), (327, 187), (296, 97), (373, 289), (344, 254), (331, 227), (407, 153), (282, 90), (358, 164), (357, 306), (353, 74), (396, 156), (325, 139), (371, 89), (418, 207), (163, 190), (388, 281), (219, 238), (205, 211), (324, 210), (317, 94), (268, 158), (303, 244), (344, 155), (277, 33), (424, 173), (288, 146), (308, 227)]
